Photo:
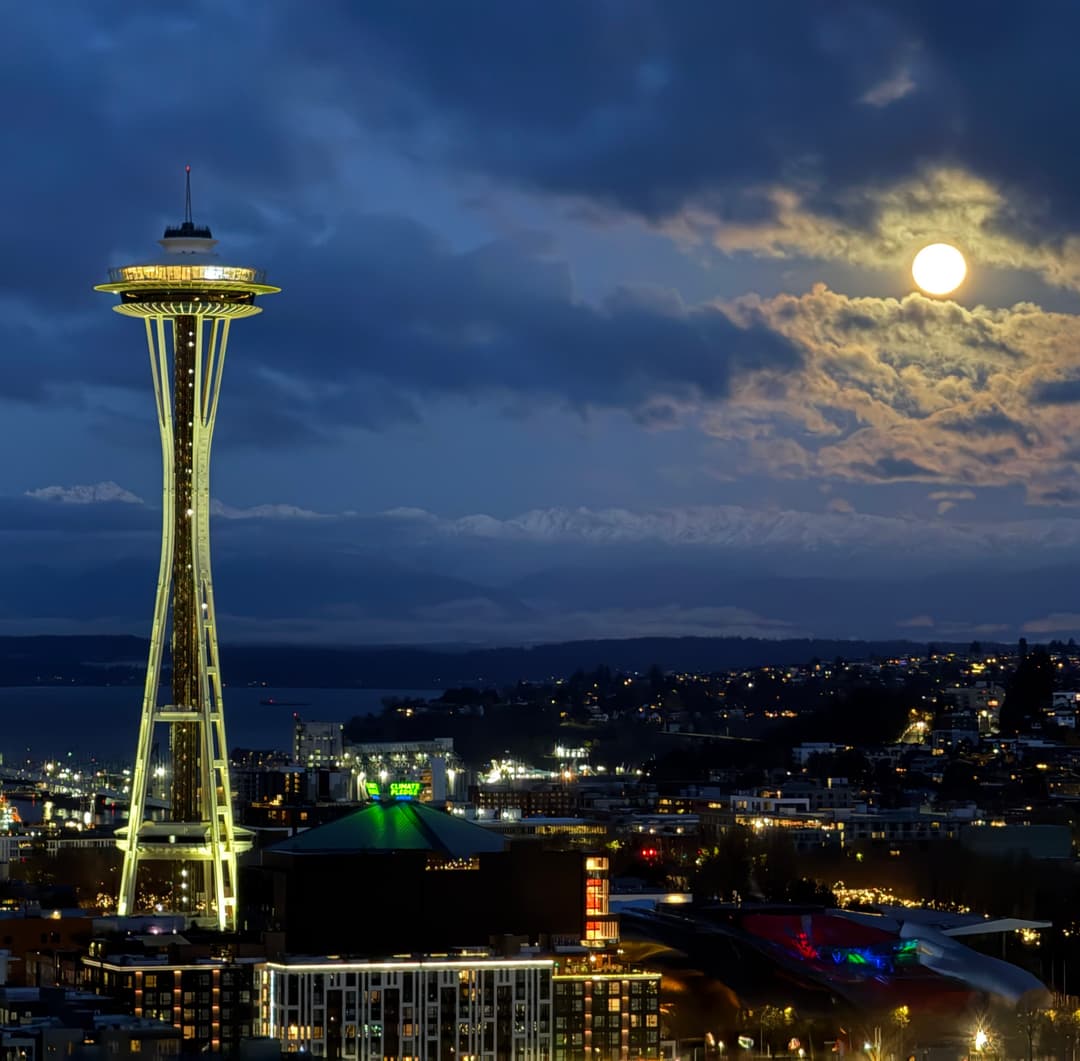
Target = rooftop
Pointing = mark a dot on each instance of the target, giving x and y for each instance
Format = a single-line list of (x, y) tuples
[(395, 825)]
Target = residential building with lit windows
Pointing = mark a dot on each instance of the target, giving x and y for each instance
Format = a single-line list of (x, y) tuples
[(611, 1014), (601, 925), (277, 782), (212, 1001), (528, 799), (983, 701), (429, 1009)]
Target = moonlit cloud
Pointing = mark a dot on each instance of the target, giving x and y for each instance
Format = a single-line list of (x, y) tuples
[(881, 226), (281, 512), (1053, 625), (952, 495), (917, 622), (889, 90), (909, 389), (95, 493)]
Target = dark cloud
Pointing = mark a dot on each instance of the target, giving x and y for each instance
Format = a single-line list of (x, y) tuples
[(896, 468), (423, 317), (648, 105), (1056, 392), (1057, 495), (642, 105), (985, 423), (383, 311), (378, 310)]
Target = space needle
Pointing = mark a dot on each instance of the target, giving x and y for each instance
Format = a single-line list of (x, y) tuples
[(187, 299)]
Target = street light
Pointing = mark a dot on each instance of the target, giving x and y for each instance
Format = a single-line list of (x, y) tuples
[(981, 1041)]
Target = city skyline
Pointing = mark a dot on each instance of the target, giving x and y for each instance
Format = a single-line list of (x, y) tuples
[(632, 298)]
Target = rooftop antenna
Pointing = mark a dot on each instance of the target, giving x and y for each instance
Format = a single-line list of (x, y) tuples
[(187, 231)]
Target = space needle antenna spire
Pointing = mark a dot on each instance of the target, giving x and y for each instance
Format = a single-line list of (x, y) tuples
[(187, 299)]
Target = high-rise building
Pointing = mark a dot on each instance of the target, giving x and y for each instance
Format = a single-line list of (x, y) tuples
[(187, 299)]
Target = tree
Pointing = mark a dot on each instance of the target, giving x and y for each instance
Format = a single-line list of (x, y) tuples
[(901, 1018), (1029, 1020), (770, 1020), (850, 763), (726, 873)]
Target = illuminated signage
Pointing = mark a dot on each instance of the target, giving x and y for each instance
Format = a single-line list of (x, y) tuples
[(372, 789), (404, 789)]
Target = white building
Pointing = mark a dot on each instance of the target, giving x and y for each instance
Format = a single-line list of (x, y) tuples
[(431, 1009), (318, 743)]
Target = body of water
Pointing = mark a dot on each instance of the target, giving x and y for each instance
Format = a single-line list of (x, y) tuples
[(103, 722)]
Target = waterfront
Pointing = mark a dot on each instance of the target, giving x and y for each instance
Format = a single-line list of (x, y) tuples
[(103, 721)]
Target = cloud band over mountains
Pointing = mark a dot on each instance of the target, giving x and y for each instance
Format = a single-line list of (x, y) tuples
[(407, 575)]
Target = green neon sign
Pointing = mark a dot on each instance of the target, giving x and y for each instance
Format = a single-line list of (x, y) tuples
[(405, 789), (372, 789)]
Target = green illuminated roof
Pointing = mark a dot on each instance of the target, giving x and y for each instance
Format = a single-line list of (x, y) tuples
[(398, 825)]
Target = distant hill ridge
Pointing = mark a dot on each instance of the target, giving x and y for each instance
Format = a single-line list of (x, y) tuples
[(119, 660)]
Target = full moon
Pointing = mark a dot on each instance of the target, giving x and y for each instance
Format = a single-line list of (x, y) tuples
[(939, 269)]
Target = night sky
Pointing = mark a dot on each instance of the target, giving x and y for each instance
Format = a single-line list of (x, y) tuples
[(597, 317)]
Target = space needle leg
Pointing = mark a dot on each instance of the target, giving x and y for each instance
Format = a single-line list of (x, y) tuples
[(217, 795), (159, 367)]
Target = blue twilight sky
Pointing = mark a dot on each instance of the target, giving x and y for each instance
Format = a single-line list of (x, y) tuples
[(597, 316)]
